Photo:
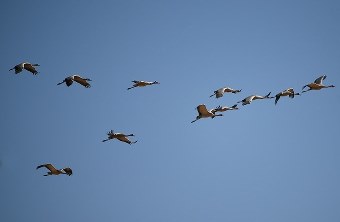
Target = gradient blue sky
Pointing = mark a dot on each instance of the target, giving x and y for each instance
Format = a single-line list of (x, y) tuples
[(262, 163)]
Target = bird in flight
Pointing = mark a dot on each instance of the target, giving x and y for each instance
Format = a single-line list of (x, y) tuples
[(224, 108), (317, 84), (249, 99), (138, 83), (219, 93), (288, 92), (119, 136), (82, 81), (25, 65), (54, 171), (204, 113)]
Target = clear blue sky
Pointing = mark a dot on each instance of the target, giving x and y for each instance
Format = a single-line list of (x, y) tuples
[(262, 163)]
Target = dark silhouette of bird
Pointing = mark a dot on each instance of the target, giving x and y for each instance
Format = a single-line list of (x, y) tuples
[(119, 136), (138, 83), (25, 65), (82, 81), (54, 171)]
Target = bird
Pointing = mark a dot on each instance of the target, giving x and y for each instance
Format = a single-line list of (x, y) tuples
[(119, 136), (249, 99), (288, 92), (224, 108), (204, 113), (317, 84), (138, 83), (25, 65), (219, 93), (69, 80), (54, 171)]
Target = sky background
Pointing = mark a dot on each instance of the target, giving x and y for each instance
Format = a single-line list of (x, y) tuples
[(261, 163)]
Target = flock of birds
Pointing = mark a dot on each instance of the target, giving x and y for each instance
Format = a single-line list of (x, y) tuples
[(202, 110)]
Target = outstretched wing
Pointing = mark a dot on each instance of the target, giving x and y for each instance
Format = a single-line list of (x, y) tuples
[(277, 97), (49, 166), (220, 92), (30, 68), (17, 68), (202, 109), (124, 139), (319, 80), (81, 81)]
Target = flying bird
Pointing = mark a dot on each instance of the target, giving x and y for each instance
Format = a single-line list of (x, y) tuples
[(224, 108), (204, 113), (141, 84), (119, 136), (25, 65), (317, 84), (249, 99), (219, 93), (82, 81), (54, 171), (288, 92)]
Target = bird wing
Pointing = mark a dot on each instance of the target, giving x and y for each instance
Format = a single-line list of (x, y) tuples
[(123, 138), (136, 81), (250, 98), (227, 89), (219, 92), (68, 81), (292, 93), (319, 80), (277, 97), (202, 109), (17, 68), (68, 171), (49, 166), (81, 81), (291, 90), (30, 68)]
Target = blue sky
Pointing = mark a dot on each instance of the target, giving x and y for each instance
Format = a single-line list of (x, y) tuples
[(259, 163)]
